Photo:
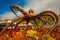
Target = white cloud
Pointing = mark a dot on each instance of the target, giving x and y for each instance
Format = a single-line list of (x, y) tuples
[(10, 15), (7, 15), (38, 6)]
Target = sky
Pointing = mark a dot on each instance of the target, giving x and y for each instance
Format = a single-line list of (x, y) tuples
[(37, 5)]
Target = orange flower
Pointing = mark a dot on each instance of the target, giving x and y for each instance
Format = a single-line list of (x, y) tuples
[(0, 38)]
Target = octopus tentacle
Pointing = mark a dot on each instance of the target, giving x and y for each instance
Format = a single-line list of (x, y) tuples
[(56, 17), (19, 22), (9, 25), (57, 20), (32, 16), (45, 19), (19, 8)]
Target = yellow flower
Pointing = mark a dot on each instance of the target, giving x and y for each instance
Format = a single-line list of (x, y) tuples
[(31, 33)]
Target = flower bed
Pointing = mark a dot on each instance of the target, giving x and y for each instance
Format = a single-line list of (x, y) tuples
[(30, 33)]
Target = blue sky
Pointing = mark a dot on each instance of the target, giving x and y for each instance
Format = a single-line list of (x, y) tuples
[(5, 4), (37, 5)]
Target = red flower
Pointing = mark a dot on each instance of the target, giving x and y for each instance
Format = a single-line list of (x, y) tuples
[(10, 32), (29, 27)]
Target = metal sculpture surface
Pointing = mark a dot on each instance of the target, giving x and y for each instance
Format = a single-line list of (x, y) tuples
[(31, 16)]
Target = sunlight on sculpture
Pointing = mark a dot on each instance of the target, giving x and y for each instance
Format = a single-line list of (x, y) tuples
[(30, 15)]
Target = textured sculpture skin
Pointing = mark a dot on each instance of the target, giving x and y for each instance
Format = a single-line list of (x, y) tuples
[(30, 15)]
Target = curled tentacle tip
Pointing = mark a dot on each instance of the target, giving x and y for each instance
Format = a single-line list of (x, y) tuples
[(13, 5)]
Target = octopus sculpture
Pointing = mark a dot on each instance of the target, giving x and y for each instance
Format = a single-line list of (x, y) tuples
[(30, 15)]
